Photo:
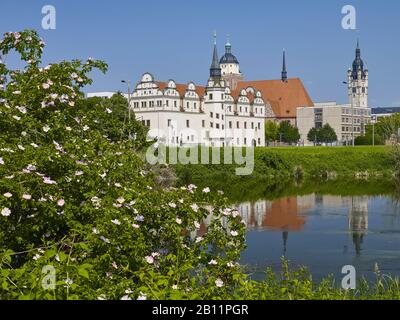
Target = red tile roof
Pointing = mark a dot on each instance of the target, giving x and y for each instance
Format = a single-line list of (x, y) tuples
[(284, 97)]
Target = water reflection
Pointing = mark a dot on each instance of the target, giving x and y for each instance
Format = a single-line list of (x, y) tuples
[(358, 221), (290, 214)]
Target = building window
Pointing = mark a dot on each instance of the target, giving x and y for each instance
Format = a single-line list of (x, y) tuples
[(148, 123), (211, 125), (167, 103), (211, 115), (187, 124), (252, 125), (238, 125), (169, 122), (259, 125), (203, 123), (175, 105), (217, 115), (245, 125), (195, 105), (211, 96), (230, 124), (188, 105), (245, 141), (217, 125), (259, 141)]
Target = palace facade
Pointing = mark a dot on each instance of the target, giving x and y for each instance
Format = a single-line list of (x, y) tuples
[(227, 111)]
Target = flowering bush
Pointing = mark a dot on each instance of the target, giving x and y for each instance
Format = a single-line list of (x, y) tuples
[(75, 196)]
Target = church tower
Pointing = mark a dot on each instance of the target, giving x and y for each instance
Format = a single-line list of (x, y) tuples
[(214, 99), (358, 82), (230, 67)]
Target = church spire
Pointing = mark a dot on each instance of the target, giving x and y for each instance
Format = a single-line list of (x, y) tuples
[(215, 69), (284, 71), (358, 64), (358, 50)]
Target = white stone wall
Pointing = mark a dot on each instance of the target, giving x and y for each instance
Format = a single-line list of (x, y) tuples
[(230, 68)]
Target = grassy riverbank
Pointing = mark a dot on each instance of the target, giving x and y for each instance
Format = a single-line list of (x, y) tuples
[(273, 166)]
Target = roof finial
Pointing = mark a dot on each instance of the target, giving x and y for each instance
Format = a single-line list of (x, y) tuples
[(228, 40), (215, 37)]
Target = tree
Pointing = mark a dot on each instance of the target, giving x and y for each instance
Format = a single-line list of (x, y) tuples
[(313, 136), (288, 132), (271, 131), (369, 138), (114, 121), (327, 134), (387, 127)]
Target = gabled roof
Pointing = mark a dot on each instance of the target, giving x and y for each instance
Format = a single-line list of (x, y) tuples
[(182, 88), (284, 97)]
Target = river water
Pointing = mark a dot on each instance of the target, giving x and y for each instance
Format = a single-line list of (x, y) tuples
[(324, 233)]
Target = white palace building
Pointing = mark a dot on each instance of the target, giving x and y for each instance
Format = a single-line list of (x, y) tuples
[(228, 111)]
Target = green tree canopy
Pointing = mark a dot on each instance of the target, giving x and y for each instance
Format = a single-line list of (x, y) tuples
[(288, 132), (388, 126), (271, 131), (369, 138), (313, 135), (327, 134)]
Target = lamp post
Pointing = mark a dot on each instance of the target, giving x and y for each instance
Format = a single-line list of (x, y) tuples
[(373, 120), (352, 116), (128, 82)]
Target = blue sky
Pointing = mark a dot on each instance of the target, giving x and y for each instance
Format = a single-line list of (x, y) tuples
[(173, 39)]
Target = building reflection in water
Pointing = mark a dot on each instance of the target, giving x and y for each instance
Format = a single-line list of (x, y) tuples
[(358, 221), (288, 215), (280, 215)]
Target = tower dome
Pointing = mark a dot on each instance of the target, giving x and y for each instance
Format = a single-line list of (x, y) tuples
[(228, 57)]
